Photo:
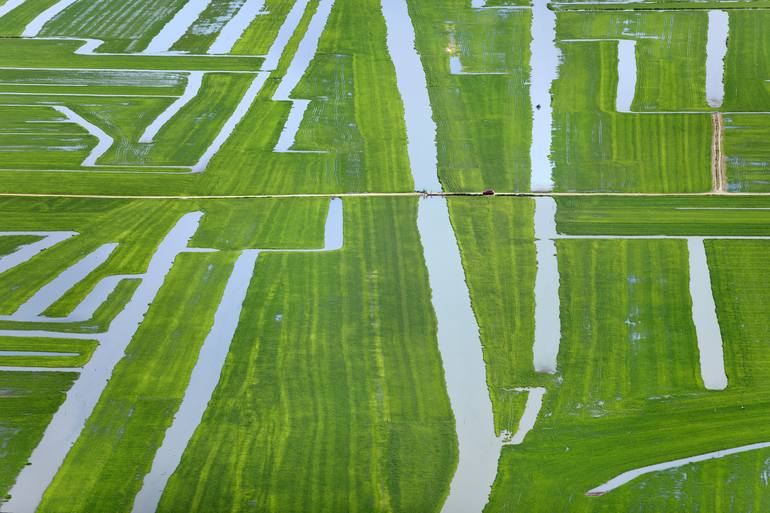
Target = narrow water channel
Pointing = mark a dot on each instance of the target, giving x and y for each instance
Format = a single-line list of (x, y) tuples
[(203, 382), (629, 476), (704, 316), (716, 50), (36, 25), (55, 289), (464, 367), (458, 333), (544, 69), (413, 87), (547, 314), (627, 75), (194, 82), (28, 251), (176, 27), (233, 30)]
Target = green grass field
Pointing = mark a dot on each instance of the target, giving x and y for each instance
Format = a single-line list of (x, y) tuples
[(629, 391), (324, 379)]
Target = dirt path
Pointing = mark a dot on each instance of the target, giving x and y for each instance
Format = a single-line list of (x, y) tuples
[(718, 174), (385, 195)]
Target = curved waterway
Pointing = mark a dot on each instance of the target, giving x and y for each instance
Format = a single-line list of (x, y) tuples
[(105, 141), (458, 332), (629, 476), (464, 367)]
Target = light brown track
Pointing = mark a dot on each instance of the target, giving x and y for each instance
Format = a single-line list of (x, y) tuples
[(391, 195), (718, 174)]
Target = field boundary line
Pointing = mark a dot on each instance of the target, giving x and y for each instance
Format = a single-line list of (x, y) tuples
[(412, 194)]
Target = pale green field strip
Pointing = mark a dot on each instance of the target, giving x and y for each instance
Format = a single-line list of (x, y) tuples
[(500, 233), (118, 82)]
